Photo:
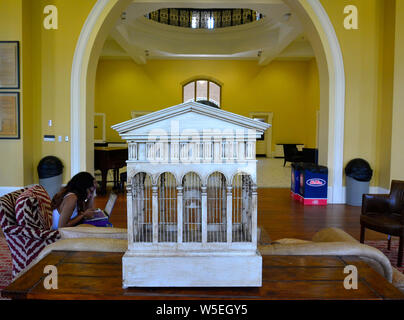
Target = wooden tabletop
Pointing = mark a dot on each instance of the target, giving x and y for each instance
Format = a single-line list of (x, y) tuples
[(98, 275)]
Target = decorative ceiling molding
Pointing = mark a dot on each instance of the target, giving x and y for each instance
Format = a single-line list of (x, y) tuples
[(265, 40)]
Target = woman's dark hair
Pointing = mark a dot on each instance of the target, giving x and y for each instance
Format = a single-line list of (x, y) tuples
[(77, 185)]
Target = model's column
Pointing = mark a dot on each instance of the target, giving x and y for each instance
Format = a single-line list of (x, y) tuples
[(254, 213), (155, 214), (179, 214), (204, 215), (229, 214), (241, 150), (132, 232), (217, 156)]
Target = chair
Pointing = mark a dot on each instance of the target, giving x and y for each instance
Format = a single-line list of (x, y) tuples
[(292, 154), (385, 213), (122, 179), (26, 220), (310, 155)]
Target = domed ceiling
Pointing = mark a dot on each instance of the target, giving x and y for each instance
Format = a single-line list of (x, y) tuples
[(263, 32)]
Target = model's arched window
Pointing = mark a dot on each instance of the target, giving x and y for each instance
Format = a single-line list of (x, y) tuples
[(202, 90)]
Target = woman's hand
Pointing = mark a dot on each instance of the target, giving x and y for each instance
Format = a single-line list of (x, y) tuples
[(89, 213)]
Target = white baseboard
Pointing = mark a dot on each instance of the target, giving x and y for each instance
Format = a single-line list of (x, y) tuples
[(372, 190)]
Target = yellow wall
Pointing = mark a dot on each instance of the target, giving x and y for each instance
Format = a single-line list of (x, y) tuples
[(312, 103), (397, 155), (362, 51), (367, 61), (386, 82), (288, 89), (11, 163)]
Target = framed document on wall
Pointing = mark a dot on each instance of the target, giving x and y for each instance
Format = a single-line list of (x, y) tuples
[(9, 115), (9, 65)]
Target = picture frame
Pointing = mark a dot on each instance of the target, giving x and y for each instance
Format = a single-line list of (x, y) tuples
[(9, 115), (9, 65)]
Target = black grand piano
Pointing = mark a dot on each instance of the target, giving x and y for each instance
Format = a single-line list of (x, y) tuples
[(106, 158)]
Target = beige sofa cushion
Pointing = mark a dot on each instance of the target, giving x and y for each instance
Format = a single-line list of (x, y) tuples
[(290, 241), (333, 235), (92, 232)]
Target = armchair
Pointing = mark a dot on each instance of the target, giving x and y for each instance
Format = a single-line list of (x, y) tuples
[(26, 221), (385, 213), (292, 154), (25, 218)]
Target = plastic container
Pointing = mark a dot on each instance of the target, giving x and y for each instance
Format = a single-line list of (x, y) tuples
[(50, 173), (358, 175)]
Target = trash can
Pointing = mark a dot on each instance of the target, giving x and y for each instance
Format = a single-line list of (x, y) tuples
[(50, 172), (314, 185), (358, 175)]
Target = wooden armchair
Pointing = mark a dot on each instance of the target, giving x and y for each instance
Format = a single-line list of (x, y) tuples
[(385, 213)]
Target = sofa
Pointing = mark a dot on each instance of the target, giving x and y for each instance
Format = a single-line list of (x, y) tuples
[(329, 241), (334, 241), (26, 221)]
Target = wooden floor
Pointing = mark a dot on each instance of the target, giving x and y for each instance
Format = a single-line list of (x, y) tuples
[(281, 216)]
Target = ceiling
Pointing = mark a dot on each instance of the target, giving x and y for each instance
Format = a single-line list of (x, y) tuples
[(279, 35)]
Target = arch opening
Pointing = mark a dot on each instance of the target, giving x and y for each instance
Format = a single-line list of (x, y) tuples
[(328, 55)]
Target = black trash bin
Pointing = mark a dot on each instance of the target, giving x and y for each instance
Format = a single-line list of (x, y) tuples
[(358, 175), (50, 172)]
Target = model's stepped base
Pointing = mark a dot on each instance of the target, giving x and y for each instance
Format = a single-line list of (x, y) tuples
[(192, 271)]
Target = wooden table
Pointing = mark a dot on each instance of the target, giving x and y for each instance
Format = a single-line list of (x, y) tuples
[(98, 275)]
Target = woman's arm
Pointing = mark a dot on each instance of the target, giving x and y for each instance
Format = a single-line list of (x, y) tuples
[(67, 207)]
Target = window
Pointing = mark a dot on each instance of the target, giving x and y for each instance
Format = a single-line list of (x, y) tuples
[(202, 90)]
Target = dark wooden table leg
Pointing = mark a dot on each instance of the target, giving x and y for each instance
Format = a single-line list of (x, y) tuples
[(362, 239), (104, 174)]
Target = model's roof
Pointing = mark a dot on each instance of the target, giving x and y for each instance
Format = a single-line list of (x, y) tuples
[(191, 115)]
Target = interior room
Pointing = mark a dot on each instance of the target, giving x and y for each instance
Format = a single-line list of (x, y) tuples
[(317, 187)]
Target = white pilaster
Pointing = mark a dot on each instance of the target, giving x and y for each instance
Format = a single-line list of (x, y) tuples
[(179, 214), (204, 215), (229, 214), (155, 216), (132, 232), (254, 209)]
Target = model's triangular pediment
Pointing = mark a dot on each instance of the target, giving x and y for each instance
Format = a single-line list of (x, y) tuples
[(191, 116)]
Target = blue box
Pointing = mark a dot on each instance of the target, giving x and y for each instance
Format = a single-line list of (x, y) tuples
[(295, 181), (314, 185)]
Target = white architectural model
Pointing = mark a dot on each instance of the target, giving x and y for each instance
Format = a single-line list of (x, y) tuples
[(191, 198)]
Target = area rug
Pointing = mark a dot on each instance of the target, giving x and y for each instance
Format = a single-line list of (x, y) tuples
[(390, 254), (5, 265)]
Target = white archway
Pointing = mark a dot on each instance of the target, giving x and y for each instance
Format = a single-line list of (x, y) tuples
[(322, 36)]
